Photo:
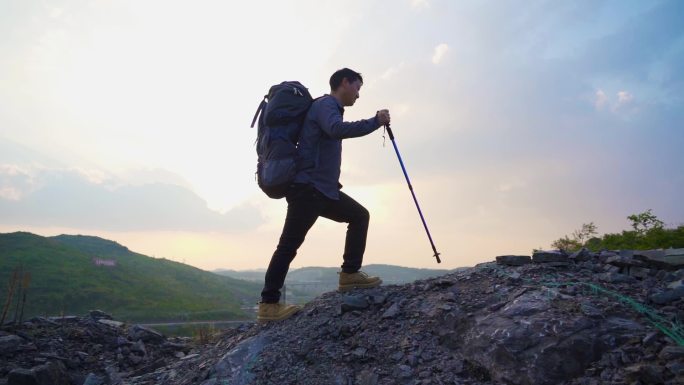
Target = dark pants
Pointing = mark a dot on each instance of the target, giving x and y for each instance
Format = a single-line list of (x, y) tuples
[(304, 205)]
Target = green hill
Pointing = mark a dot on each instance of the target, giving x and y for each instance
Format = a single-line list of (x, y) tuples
[(390, 274), (71, 274), (306, 283)]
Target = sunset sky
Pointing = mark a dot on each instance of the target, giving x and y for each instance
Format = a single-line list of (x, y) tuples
[(517, 121)]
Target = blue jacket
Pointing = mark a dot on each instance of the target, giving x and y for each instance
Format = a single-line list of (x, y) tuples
[(319, 148)]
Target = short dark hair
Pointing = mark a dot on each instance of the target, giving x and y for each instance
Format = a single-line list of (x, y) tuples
[(336, 78)]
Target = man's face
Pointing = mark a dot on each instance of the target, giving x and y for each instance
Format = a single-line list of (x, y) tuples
[(351, 91)]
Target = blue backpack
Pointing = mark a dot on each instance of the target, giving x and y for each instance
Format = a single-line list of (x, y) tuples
[(280, 114)]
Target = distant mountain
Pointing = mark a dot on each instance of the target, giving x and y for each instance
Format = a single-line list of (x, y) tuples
[(306, 283), (388, 273), (72, 274)]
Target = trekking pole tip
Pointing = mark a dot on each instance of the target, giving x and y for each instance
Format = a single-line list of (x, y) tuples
[(437, 256)]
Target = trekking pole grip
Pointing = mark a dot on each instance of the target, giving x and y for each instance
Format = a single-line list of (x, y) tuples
[(389, 131)]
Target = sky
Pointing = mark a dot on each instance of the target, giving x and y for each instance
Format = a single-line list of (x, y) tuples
[(517, 122)]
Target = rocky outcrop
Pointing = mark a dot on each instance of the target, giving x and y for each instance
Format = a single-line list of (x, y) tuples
[(90, 350), (556, 318), (613, 317)]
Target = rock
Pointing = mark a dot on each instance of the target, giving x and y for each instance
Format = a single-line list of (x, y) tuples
[(647, 374), (525, 305), (667, 296), (650, 338), (353, 302), (623, 261), (139, 332), (21, 376), (676, 284), (234, 366), (113, 376), (614, 277), (65, 319), (639, 272), (139, 347), (513, 260), (676, 367), (99, 314), (93, 379), (10, 344), (672, 353), (359, 352), (671, 259), (51, 373), (112, 323), (378, 299), (581, 255), (367, 377), (549, 257), (391, 312), (405, 371)]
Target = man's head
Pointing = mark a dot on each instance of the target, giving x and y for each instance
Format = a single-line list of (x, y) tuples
[(345, 85)]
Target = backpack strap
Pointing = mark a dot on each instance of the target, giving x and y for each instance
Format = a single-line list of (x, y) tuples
[(261, 107)]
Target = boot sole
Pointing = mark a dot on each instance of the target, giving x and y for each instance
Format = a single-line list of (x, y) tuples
[(353, 286), (279, 318)]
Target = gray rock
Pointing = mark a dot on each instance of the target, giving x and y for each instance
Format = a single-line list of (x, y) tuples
[(50, 373), (672, 352), (525, 305), (93, 379), (353, 302), (112, 323), (99, 314), (391, 312), (10, 344), (513, 260), (139, 332), (667, 296), (113, 376), (359, 352), (139, 347), (614, 277), (581, 255), (234, 366), (21, 376), (378, 299), (623, 261), (646, 373), (405, 371), (367, 377), (639, 272), (672, 259), (676, 284), (549, 257), (65, 319)]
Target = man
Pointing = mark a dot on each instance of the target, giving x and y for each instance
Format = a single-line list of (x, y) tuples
[(316, 192)]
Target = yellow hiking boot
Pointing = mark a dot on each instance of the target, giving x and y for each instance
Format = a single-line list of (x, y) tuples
[(275, 311), (358, 280)]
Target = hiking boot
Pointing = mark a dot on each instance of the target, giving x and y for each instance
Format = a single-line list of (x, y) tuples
[(358, 280), (275, 311)]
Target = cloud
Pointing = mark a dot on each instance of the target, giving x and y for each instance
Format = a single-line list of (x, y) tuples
[(600, 100), (439, 53), (71, 198), (622, 99), (420, 4)]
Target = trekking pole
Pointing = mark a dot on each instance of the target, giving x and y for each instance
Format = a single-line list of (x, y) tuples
[(401, 162)]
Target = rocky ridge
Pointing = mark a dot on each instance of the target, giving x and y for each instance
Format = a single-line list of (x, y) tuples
[(552, 318)]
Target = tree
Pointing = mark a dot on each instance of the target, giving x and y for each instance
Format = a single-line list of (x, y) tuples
[(579, 237), (644, 222), (585, 233)]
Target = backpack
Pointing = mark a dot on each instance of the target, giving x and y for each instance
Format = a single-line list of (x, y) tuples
[(281, 115)]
